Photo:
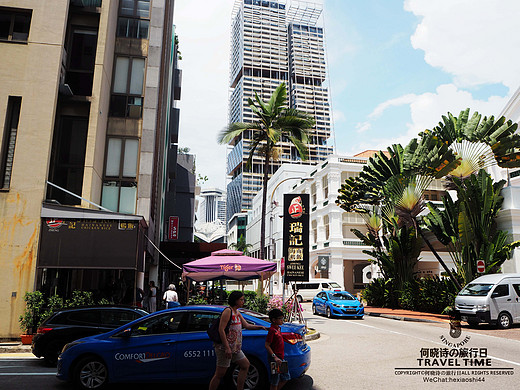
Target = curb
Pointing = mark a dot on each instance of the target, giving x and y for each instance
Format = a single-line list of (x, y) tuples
[(313, 336), (401, 318), (14, 348)]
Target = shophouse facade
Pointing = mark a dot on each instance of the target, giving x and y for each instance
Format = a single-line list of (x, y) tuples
[(330, 232)]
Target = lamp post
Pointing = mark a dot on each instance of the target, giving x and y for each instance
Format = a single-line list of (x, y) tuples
[(272, 240)]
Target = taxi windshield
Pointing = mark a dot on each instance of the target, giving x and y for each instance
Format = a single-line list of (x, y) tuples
[(476, 289), (341, 297)]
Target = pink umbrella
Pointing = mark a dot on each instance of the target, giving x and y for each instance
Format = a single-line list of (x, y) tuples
[(228, 264)]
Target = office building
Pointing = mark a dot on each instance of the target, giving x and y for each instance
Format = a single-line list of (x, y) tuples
[(274, 42), (87, 103)]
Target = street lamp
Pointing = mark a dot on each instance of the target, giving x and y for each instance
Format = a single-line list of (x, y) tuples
[(272, 249)]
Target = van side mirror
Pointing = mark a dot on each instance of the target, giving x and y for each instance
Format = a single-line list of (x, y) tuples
[(495, 294)]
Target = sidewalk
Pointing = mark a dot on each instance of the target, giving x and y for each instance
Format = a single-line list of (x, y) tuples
[(405, 315)]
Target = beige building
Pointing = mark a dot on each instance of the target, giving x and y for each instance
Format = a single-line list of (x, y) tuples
[(86, 98)]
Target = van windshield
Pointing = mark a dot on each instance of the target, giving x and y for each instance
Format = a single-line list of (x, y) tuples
[(476, 289)]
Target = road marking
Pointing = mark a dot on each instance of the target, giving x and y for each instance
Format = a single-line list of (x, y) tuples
[(27, 373), (429, 341)]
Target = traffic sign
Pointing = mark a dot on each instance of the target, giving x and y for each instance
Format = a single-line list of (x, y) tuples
[(481, 266)]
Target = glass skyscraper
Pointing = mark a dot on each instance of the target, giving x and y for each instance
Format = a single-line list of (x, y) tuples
[(274, 42)]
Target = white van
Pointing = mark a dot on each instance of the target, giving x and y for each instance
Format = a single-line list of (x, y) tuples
[(306, 291), (494, 299)]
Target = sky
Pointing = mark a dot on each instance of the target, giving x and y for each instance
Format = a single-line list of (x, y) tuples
[(395, 67)]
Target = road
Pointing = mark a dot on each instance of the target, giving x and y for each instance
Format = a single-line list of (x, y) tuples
[(358, 354)]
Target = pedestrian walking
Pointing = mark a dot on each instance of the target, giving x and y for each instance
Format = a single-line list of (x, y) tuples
[(230, 350), (152, 297), (170, 297)]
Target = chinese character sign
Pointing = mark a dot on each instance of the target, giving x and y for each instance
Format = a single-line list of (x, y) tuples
[(173, 231), (296, 237)]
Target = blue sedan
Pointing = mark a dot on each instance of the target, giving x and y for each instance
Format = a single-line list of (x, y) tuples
[(337, 303), (172, 345)]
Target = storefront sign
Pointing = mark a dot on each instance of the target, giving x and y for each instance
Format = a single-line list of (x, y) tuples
[(323, 263), (296, 237), (173, 230)]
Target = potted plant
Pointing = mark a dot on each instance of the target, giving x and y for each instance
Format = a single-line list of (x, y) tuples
[(32, 316)]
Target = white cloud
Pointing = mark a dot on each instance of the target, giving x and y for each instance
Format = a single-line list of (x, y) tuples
[(474, 40), (363, 126)]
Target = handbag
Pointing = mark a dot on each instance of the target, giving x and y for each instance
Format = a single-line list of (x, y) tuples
[(213, 333)]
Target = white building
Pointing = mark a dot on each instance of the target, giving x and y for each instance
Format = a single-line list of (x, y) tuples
[(273, 42), (212, 205), (330, 233)]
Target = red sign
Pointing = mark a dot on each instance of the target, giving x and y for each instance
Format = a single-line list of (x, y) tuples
[(173, 231), (295, 208), (481, 266), (282, 266)]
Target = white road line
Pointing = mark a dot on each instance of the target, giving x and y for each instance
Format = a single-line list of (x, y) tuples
[(429, 341), (27, 373)]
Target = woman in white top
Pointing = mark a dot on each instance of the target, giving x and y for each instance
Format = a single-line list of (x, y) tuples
[(152, 299), (170, 297)]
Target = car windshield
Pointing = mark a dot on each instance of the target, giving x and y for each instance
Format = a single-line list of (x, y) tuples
[(341, 297), (476, 289), (334, 285), (255, 314)]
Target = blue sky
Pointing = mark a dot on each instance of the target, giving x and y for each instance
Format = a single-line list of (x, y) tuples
[(395, 66)]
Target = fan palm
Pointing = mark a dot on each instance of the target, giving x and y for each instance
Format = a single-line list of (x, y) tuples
[(274, 122)]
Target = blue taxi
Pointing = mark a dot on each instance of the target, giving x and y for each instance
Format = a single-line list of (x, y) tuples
[(172, 345), (337, 303)]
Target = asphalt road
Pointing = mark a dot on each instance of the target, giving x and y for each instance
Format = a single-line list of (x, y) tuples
[(376, 353)]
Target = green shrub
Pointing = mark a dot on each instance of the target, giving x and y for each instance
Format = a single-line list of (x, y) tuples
[(380, 292), (34, 309)]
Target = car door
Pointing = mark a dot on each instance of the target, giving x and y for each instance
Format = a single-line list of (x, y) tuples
[(320, 302), (147, 350), (195, 352), (501, 300)]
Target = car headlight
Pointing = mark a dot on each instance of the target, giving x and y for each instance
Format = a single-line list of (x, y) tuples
[(483, 307), (335, 305), (70, 345)]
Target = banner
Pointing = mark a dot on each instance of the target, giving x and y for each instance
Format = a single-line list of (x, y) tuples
[(296, 237), (173, 228)]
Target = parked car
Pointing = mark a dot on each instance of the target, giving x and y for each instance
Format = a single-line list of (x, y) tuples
[(172, 345), (68, 325), (337, 303), (493, 299), (307, 290)]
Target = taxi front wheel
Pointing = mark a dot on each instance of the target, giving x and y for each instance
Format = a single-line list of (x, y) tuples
[(91, 373)]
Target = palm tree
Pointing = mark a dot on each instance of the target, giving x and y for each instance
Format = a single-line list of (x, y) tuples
[(241, 245), (274, 123)]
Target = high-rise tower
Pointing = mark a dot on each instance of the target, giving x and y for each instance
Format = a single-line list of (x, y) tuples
[(274, 42)]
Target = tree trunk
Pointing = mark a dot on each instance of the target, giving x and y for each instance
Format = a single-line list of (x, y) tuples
[(264, 204), (453, 279)]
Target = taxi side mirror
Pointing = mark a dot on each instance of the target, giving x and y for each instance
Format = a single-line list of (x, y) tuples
[(126, 333)]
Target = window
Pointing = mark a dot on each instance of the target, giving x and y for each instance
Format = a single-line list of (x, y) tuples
[(136, 8), (120, 186), (326, 223), (160, 324), (132, 28), (501, 290), (14, 24), (9, 140), (127, 88), (68, 159), (325, 185), (200, 322)]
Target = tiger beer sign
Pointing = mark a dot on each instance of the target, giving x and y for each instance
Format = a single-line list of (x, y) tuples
[(296, 237)]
